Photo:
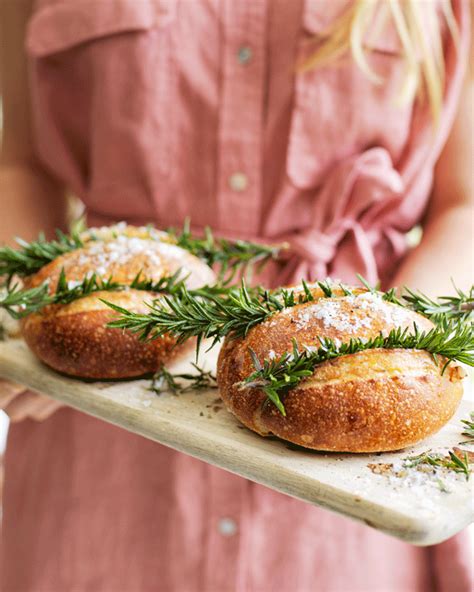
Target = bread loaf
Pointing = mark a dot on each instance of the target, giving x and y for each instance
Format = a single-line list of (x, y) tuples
[(73, 338), (369, 401)]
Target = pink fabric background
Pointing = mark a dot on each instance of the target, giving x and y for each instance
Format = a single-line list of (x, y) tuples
[(143, 108)]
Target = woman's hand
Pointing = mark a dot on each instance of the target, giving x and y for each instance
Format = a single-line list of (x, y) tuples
[(20, 404)]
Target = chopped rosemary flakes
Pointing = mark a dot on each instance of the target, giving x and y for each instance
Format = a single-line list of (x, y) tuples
[(456, 460), (428, 468)]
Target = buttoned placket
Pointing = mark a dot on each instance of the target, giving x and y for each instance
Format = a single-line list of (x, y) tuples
[(241, 116), (239, 207), (228, 503)]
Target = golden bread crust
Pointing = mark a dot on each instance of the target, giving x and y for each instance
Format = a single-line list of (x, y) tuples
[(123, 258), (375, 400), (74, 339)]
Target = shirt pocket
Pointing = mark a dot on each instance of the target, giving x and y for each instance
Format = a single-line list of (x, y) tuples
[(63, 25), (102, 84), (338, 111)]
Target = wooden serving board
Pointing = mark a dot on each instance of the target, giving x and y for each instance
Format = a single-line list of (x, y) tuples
[(197, 424)]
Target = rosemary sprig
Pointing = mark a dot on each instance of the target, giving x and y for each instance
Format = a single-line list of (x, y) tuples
[(163, 380), (188, 314), (275, 377), (230, 256), (459, 307), (31, 257), (209, 312), (452, 462), (201, 315), (456, 307), (468, 425), (19, 303)]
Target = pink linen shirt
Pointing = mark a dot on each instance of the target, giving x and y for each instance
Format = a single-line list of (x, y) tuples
[(154, 110)]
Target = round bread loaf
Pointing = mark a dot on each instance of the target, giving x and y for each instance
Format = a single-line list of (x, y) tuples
[(371, 401), (74, 339)]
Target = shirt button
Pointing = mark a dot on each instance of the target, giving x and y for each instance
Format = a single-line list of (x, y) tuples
[(227, 527), (238, 182), (244, 55)]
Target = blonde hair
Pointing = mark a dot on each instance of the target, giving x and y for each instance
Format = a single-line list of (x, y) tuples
[(418, 27)]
